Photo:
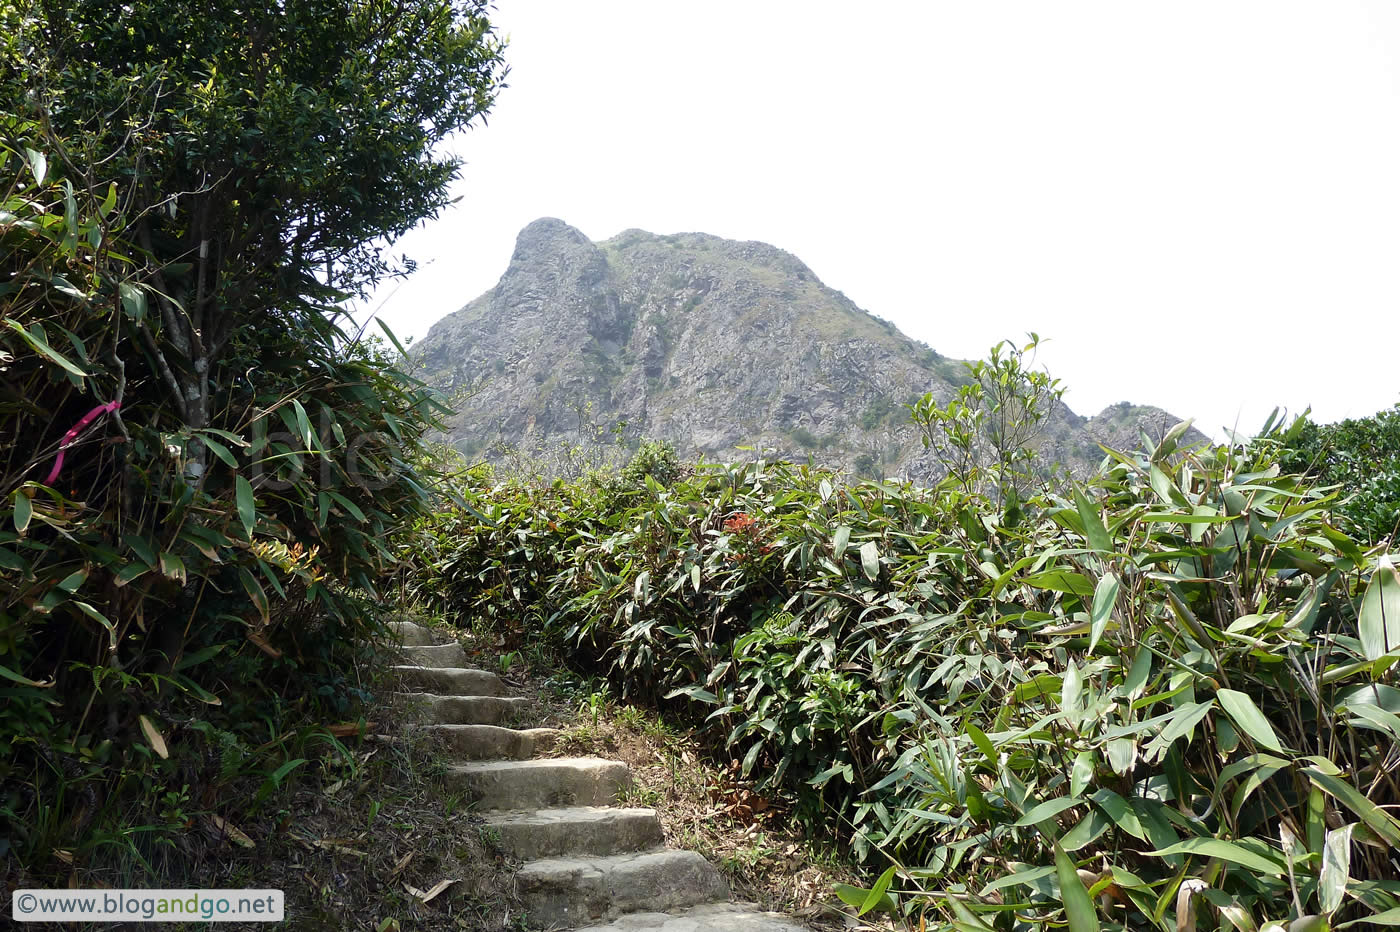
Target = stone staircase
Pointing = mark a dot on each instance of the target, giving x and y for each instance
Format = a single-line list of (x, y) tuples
[(587, 860)]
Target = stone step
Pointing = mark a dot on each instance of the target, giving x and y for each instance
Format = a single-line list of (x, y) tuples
[(492, 742), (450, 681), (467, 710), (412, 634), (576, 830), (571, 891), (715, 917), (540, 784), (434, 655)]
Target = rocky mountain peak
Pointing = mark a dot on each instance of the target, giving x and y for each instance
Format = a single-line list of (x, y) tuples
[(706, 342), (546, 238)]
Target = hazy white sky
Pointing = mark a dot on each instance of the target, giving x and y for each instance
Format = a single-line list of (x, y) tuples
[(1197, 203)]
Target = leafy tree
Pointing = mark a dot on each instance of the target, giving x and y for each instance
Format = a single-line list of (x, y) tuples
[(200, 462), (268, 153)]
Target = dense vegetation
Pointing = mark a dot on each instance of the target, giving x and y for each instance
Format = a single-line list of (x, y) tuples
[(1362, 457), (202, 456), (1163, 698)]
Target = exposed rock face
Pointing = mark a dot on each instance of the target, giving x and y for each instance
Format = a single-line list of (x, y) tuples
[(709, 343)]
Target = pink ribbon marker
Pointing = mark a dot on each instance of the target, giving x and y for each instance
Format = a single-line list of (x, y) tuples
[(72, 436)]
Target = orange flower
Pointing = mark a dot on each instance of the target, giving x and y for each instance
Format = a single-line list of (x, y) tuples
[(739, 523)]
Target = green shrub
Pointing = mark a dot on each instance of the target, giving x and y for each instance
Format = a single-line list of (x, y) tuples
[(1361, 455), (202, 463), (1138, 683)]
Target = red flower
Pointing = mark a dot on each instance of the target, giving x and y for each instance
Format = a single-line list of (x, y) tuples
[(739, 523)]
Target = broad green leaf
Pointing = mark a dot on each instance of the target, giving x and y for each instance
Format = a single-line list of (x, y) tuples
[(1164, 487), (1169, 442), (303, 425), (856, 896), (1094, 531), (1374, 694), (12, 676), (153, 736), (221, 451), (1390, 917), (1062, 581), (73, 581), (255, 591), (1070, 689), (1379, 620), (172, 567), (141, 546), (393, 338), (280, 773), (967, 921), (9, 560), (1079, 909), (1081, 773), (40, 344), (247, 505), (870, 560), (1225, 851), (840, 540), (1048, 810), (348, 505), (877, 896), (1105, 595), (1138, 674), (1336, 869), (694, 692), (24, 510), (1122, 814), (1087, 830), (1371, 716), (1046, 684), (1248, 719), (38, 164), (133, 300), (1025, 876), (1376, 819), (984, 744)]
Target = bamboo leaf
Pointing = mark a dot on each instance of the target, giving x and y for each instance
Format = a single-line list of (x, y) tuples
[(40, 344), (1225, 851), (840, 540), (1377, 819), (1336, 869), (984, 744), (1079, 909), (1048, 810), (153, 737), (870, 560), (1248, 719), (1379, 620), (1094, 531), (247, 504), (1105, 596), (24, 510), (876, 897), (38, 164)]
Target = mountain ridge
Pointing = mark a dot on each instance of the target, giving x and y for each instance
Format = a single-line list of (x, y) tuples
[(709, 343)]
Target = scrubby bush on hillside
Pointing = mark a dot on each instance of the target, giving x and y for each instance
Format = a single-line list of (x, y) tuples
[(1362, 456), (1169, 694)]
